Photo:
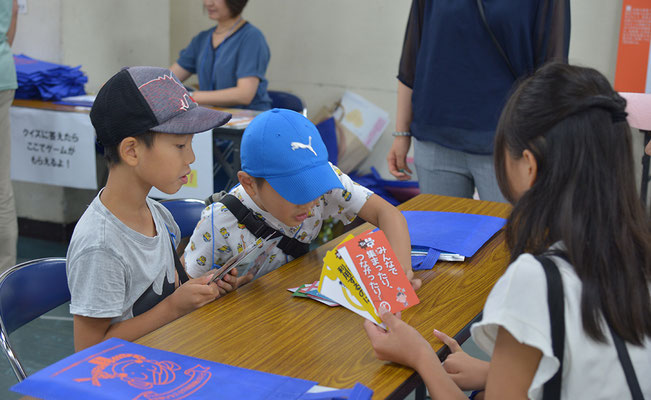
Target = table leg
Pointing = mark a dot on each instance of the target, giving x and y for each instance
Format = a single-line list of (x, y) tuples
[(421, 392)]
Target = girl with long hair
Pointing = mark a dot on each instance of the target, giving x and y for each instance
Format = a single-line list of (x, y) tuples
[(563, 157)]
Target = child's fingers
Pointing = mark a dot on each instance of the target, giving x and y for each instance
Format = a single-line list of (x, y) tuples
[(225, 285), (390, 320), (450, 342), (373, 331), (245, 279)]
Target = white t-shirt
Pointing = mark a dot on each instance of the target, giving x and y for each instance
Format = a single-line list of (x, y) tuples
[(231, 237), (591, 370)]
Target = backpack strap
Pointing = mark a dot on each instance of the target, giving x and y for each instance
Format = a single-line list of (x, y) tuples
[(627, 365), (183, 276), (555, 299), (556, 304), (258, 227)]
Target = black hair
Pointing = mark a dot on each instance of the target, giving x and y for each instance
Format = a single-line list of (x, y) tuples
[(112, 154), (584, 194), (236, 6)]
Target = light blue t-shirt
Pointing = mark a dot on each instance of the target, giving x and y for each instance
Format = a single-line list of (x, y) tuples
[(245, 53), (7, 67)]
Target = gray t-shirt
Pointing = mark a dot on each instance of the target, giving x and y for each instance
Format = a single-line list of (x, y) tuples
[(110, 266)]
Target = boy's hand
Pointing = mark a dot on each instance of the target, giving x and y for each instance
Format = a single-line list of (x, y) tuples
[(231, 281), (467, 372), (400, 343), (194, 294)]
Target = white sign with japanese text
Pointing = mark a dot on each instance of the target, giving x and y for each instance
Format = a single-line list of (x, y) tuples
[(52, 147), (200, 180)]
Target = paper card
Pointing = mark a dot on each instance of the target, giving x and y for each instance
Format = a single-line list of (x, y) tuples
[(122, 370), (366, 120), (376, 266), (310, 291), (336, 270)]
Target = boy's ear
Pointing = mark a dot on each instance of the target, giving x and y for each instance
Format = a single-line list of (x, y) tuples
[(128, 150), (248, 183)]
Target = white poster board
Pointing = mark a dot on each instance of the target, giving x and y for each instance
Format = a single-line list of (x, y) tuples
[(52, 147), (200, 180), (366, 120)]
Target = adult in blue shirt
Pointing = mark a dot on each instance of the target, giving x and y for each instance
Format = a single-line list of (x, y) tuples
[(230, 59), (453, 83)]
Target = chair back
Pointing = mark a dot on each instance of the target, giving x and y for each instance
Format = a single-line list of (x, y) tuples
[(186, 213), (638, 107), (280, 99), (27, 291)]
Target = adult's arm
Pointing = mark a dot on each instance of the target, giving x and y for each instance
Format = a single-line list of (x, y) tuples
[(11, 32), (554, 34), (180, 72), (240, 95), (397, 156)]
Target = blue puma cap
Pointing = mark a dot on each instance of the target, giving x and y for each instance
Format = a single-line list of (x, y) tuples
[(285, 148)]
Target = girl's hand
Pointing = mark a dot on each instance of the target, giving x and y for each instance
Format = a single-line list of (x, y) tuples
[(401, 343), (467, 372), (416, 283)]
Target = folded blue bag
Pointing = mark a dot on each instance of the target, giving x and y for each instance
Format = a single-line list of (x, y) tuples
[(439, 231), (117, 369)]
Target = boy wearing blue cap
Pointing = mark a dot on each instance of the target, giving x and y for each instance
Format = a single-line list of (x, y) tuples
[(287, 188), (124, 276)]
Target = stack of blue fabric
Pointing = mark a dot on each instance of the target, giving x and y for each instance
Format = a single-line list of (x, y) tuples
[(47, 81)]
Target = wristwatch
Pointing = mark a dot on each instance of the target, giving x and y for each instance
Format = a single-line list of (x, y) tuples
[(401, 133)]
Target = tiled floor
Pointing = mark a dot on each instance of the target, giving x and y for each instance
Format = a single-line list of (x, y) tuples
[(49, 338)]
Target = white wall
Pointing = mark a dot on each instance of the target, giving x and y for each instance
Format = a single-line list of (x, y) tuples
[(102, 36), (38, 31)]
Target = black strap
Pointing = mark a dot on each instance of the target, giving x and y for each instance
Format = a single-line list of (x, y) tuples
[(259, 228), (627, 365), (183, 276), (480, 6), (150, 298), (555, 301)]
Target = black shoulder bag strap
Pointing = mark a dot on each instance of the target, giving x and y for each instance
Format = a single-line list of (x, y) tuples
[(259, 228), (556, 303), (555, 299), (480, 6), (149, 298), (183, 276), (627, 365)]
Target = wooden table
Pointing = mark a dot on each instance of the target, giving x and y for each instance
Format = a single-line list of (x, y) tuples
[(260, 326)]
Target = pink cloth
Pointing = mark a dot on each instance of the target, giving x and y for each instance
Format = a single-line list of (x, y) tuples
[(638, 107)]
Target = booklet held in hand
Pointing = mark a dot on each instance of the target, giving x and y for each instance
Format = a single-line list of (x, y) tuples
[(363, 274)]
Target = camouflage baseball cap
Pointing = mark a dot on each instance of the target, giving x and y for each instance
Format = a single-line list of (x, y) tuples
[(141, 99)]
